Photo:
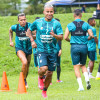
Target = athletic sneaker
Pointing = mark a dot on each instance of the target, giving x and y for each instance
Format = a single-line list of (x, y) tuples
[(50, 83), (44, 94), (81, 89), (88, 85), (40, 83), (97, 78), (90, 77), (58, 81), (26, 85)]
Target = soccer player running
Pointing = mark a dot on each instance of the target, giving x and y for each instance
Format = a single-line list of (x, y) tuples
[(92, 48), (48, 31), (78, 41), (23, 44)]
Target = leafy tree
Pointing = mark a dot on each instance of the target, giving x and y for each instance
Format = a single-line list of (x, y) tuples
[(8, 7), (35, 6)]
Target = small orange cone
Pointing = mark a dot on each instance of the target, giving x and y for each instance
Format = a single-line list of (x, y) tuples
[(4, 84), (21, 85)]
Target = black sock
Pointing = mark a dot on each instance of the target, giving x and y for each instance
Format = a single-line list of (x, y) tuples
[(99, 68), (44, 89), (58, 72), (44, 76), (41, 77)]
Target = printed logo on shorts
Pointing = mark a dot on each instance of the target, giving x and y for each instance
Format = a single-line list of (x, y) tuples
[(40, 61), (54, 65)]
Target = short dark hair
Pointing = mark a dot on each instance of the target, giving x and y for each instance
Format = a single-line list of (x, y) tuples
[(37, 18), (77, 12), (21, 14), (90, 19), (57, 19)]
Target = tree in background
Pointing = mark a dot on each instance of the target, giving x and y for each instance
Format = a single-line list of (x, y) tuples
[(9, 7), (35, 7)]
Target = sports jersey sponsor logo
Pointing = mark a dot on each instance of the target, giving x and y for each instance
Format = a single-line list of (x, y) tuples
[(23, 38), (46, 38), (78, 32), (22, 33)]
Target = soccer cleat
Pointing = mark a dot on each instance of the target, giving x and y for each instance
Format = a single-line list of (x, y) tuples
[(90, 77), (44, 94), (81, 89), (50, 83), (59, 81), (26, 85), (97, 78), (88, 85), (40, 83)]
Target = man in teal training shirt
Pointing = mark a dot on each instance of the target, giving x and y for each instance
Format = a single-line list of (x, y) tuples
[(23, 44), (48, 31)]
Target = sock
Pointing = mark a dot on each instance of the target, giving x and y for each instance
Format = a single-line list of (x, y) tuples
[(79, 82), (41, 77), (44, 89), (90, 73), (44, 76), (88, 69), (86, 76)]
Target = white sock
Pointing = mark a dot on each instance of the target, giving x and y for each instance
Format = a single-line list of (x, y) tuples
[(90, 74), (79, 82), (88, 69), (86, 76), (98, 74)]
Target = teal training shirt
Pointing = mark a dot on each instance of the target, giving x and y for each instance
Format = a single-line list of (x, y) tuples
[(78, 39), (91, 43), (22, 42), (45, 41)]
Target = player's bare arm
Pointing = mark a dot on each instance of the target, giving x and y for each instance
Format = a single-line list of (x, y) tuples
[(66, 35), (10, 37), (96, 40), (29, 34), (90, 34), (58, 37)]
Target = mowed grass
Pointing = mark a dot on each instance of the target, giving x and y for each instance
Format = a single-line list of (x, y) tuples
[(67, 90)]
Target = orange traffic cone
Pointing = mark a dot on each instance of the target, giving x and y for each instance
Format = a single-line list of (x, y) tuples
[(4, 84), (21, 85)]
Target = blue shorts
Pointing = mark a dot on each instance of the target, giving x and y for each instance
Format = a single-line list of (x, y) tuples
[(92, 55), (79, 54), (27, 52), (47, 59), (35, 60), (58, 60)]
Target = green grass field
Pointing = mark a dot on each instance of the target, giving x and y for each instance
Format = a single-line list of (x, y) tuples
[(67, 90)]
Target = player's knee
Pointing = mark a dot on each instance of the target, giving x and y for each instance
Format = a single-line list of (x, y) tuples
[(25, 63)]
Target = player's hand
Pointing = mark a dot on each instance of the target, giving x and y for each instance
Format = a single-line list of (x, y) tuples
[(59, 54), (52, 33), (33, 44), (11, 44)]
